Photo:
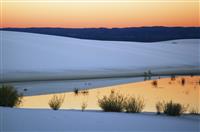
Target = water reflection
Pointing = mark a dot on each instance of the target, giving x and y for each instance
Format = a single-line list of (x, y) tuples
[(185, 90)]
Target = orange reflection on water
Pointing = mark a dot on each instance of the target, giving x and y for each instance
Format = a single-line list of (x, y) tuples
[(166, 90)]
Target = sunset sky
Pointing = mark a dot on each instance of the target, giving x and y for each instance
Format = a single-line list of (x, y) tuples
[(82, 13)]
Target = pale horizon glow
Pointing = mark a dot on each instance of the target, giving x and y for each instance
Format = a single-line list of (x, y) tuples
[(99, 13), (99, 1)]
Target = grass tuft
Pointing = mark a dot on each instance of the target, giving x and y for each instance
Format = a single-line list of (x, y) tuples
[(134, 105), (112, 103), (56, 102), (9, 96), (174, 109)]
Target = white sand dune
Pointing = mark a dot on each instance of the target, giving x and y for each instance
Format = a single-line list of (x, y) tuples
[(69, 120), (28, 56), (67, 63)]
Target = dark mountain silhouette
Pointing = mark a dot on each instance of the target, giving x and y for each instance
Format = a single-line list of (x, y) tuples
[(138, 34)]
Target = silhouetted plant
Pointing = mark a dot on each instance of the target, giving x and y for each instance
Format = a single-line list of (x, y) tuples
[(183, 81), (174, 109), (159, 107), (85, 92), (112, 103), (76, 91), (194, 111), (155, 83), (55, 102), (134, 105), (83, 106), (9, 96), (112, 91)]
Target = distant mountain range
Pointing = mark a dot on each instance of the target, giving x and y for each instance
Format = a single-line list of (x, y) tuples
[(136, 34)]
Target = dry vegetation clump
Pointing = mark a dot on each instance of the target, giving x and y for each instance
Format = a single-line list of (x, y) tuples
[(112, 103), (9, 96), (116, 102), (83, 106), (174, 109), (56, 102), (134, 105)]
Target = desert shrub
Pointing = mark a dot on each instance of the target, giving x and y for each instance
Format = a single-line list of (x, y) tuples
[(174, 109), (112, 103), (85, 92), (155, 83), (159, 107), (183, 81), (194, 111), (83, 106), (9, 96), (55, 102), (76, 91), (134, 105)]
